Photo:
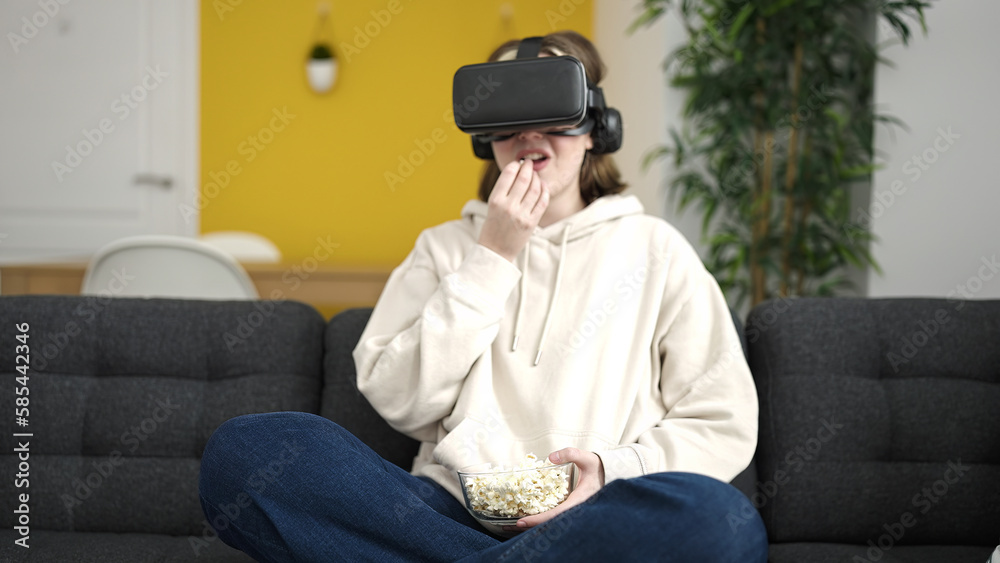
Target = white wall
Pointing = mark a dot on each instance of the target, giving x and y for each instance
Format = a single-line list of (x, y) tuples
[(637, 86), (940, 229), (938, 235)]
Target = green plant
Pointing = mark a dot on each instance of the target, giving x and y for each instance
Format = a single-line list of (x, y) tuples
[(778, 129), (321, 51)]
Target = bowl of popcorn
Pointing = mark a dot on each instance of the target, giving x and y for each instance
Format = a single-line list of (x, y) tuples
[(500, 494)]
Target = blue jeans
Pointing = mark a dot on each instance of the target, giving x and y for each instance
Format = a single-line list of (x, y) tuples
[(297, 487)]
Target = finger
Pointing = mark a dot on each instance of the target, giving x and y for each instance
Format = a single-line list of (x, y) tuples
[(521, 182), (575, 455), (541, 205), (542, 517), (533, 193), (501, 188)]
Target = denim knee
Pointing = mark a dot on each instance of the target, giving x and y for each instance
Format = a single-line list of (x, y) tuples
[(234, 451), (723, 516)]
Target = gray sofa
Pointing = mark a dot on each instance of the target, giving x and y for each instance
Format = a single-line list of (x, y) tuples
[(124, 393), (879, 429)]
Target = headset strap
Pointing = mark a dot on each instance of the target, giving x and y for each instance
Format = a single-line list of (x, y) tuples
[(529, 47), (595, 96)]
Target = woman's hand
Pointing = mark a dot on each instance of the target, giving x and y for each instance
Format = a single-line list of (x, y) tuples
[(591, 480), (516, 205)]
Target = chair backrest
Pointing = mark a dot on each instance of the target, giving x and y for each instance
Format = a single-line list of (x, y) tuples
[(125, 393), (878, 416), (244, 246), (166, 266)]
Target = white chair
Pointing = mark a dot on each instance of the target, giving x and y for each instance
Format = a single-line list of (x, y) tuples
[(166, 266), (244, 246)]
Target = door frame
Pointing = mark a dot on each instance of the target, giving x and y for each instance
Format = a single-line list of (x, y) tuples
[(184, 217)]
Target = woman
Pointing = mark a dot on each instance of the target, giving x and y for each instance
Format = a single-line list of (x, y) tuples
[(553, 318)]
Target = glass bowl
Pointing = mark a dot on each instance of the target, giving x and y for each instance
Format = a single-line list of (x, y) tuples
[(500, 495)]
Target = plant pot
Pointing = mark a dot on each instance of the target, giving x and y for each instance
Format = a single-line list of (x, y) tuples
[(322, 73)]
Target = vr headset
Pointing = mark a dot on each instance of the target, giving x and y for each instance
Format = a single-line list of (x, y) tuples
[(493, 101)]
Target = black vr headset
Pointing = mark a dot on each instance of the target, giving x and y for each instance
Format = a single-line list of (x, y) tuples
[(493, 101)]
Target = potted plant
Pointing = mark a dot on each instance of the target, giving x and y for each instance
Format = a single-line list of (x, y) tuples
[(778, 129), (321, 68)]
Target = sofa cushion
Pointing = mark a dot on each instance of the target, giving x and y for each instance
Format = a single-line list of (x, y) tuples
[(345, 405), (878, 417), (124, 394), (62, 547)]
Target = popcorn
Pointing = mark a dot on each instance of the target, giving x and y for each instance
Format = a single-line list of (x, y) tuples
[(533, 486)]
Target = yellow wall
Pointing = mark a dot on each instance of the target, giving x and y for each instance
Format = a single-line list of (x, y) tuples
[(322, 175)]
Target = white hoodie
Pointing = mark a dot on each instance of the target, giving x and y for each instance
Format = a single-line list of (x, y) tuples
[(637, 357)]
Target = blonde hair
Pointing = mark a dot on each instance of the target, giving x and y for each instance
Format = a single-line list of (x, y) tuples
[(598, 174)]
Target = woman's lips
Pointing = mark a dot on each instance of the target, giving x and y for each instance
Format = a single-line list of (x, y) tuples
[(537, 163)]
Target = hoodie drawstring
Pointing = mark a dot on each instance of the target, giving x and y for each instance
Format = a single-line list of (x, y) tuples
[(555, 292), (521, 301), (524, 290)]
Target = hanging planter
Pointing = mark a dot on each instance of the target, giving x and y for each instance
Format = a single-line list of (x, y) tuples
[(321, 68)]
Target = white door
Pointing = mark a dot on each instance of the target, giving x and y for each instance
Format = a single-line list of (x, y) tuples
[(98, 107)]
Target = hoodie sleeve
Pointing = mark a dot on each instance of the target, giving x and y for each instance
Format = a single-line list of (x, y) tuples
[(710, 426), (427, 331)]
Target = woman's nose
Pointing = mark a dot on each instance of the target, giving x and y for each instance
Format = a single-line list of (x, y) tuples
[(530, 135)]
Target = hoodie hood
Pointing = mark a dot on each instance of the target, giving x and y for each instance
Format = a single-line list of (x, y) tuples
[(576, 226)]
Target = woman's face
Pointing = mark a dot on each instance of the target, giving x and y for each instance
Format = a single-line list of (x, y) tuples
[(557, 159)]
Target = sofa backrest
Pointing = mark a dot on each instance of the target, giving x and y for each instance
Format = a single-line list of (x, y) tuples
[(345, 405), (880, 420), (124, 393)]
